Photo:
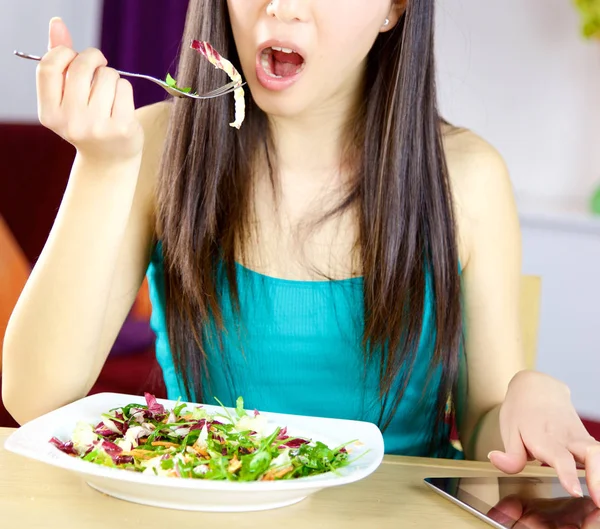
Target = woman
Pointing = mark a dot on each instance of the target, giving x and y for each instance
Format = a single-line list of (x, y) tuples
[(322, 260)]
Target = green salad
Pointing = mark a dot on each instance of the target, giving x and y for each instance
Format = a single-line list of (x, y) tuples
[(189, 442), (173, 84)]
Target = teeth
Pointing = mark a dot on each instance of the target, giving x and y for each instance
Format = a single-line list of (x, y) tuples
[(284, 50)]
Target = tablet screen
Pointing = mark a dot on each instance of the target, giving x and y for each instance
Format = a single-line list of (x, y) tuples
[(520, 502)]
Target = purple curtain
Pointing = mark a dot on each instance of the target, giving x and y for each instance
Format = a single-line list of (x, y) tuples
[(143, 36)]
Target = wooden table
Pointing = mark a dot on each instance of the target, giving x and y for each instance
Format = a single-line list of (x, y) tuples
[(34, 495)]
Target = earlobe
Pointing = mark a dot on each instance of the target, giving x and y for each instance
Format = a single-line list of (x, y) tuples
[(397, 11), (386, 26)]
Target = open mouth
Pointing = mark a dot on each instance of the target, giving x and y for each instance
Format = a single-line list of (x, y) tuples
[(280, 63)]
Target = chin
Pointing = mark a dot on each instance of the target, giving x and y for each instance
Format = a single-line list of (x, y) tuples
[(278, 104)]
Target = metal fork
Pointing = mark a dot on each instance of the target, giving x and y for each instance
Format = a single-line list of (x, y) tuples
[(223, 90)]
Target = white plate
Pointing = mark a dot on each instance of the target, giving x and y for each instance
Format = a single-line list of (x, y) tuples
[(32, 440)]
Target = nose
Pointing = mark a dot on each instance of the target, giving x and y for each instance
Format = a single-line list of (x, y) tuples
[(288, 10)]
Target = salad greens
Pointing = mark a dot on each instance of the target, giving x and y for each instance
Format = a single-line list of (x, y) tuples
[(173, 84), (218, 61), (191, 443)]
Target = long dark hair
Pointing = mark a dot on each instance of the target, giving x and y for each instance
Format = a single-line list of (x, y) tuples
[(407, 237)]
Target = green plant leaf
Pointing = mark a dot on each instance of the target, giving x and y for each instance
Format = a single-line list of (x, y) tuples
[(590, 17)]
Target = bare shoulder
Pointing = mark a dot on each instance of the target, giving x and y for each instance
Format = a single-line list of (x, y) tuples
[(155, 121), (480, 182), (474, 165)]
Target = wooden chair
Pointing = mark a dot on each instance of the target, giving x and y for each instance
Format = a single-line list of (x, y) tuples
[(531, 293)]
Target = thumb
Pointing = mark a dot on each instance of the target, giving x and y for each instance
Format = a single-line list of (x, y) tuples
[(59, 34), (514, 458)]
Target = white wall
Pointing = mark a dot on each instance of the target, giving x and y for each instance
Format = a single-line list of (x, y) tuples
[(518, 73), (566, 255), (24, 26)]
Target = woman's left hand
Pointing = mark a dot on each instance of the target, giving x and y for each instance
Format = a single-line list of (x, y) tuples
[(538, 422)]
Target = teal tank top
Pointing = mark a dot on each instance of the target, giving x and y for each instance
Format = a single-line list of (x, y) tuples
[(297, 350)]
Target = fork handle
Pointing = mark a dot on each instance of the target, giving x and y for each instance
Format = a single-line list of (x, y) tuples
[(36, 58), (27, 56)]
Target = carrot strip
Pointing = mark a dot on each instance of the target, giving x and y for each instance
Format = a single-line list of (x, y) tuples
[(166, 444)]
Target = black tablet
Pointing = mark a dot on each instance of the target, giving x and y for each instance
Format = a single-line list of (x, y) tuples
[(519, 502)]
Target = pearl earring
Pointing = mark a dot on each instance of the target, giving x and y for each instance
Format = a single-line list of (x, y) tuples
[(387, 22)]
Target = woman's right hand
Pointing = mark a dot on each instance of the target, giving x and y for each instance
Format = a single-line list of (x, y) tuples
[(85, 102)]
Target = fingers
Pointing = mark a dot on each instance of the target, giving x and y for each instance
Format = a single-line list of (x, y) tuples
[(80, 75), (51, 78), (587, 451), (52, 69), (514, 458), (85, 102), (59, 34), (104, 89), (123, 106), (557, 456)]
